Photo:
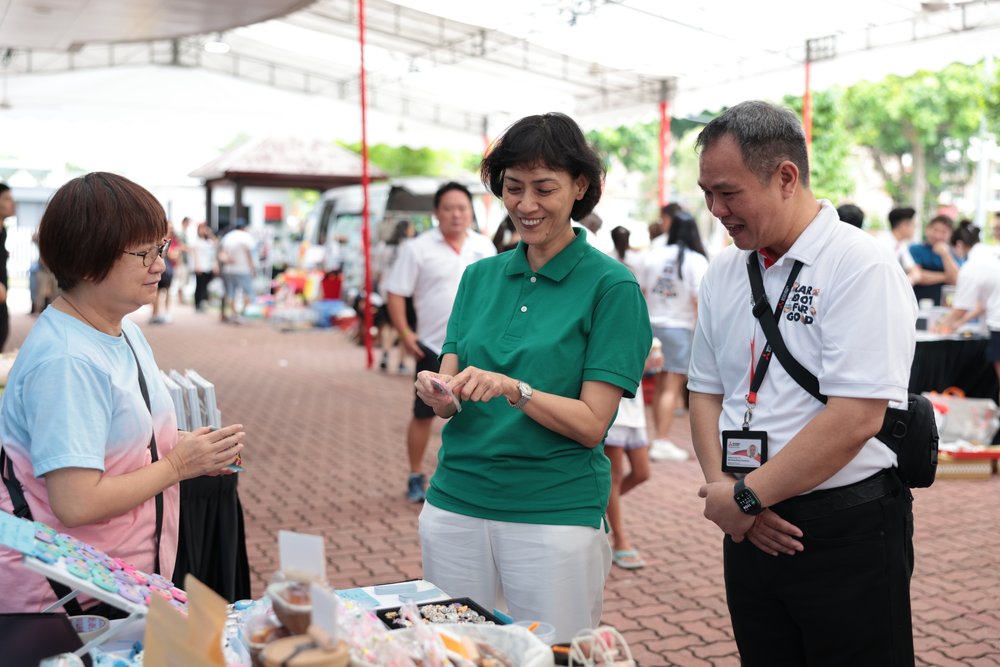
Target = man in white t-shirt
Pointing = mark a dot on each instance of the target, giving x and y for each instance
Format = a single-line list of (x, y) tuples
[(902, 226), (818, 549), (238, 269), (429, 269)]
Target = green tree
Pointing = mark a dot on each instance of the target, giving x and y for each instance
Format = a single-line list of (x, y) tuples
[(407, 161), (917, 128), (830, 177)]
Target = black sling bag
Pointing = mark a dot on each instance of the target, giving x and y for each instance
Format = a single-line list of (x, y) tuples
[(912, 433)]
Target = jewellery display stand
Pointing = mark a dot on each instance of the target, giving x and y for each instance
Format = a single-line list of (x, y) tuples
[(85, 569)]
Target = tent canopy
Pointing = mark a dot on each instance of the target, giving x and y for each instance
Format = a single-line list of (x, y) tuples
[(477, 66)]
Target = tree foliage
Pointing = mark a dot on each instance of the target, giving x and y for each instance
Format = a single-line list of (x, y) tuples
[(917, 128), (406, 161), (830, 177)]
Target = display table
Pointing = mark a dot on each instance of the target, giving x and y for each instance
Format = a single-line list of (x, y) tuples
[(943, 361), (940, 362)]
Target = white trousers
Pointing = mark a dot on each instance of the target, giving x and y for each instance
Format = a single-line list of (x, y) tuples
[(545, 573)]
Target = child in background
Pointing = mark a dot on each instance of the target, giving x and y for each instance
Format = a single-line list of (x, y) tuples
[(627, 438)]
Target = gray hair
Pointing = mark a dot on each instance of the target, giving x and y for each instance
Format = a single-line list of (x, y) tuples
[(766, 135)]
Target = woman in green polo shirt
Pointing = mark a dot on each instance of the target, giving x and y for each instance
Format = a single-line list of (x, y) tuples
[(542, 343)]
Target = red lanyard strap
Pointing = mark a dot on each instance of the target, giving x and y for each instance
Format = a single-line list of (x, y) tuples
[(760, 309)]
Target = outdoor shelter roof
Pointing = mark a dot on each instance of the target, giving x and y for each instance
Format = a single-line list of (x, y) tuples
[(441, 72), (475, 65), (287, 162)]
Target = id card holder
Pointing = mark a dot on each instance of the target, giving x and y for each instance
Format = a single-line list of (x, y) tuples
[(743, 451)]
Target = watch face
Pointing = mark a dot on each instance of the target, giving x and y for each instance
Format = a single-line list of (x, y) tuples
[(747, 501)]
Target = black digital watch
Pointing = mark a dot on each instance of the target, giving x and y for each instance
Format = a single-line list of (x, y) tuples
[(746, 499)]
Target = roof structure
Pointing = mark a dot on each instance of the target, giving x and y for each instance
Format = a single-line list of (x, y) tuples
[(475, 66), (287, 162)]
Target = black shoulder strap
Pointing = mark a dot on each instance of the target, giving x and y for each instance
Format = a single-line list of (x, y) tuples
[(21, 510), (762, 312), (152, 450)]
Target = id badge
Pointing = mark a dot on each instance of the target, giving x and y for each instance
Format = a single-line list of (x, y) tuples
[(743, 451)]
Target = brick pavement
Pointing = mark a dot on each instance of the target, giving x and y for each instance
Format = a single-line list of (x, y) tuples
[(325, 455)]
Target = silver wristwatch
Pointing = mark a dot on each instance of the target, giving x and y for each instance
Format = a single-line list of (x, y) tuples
[(526, 392)]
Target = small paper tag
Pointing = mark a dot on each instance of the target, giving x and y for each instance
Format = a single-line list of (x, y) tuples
[(325, 610), (302, 555)]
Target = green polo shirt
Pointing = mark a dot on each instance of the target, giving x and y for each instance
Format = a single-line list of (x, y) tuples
[(580, 317)]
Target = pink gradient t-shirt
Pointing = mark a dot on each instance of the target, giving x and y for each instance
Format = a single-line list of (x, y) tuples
[(72, 401)]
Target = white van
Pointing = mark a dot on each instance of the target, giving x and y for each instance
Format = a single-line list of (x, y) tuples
[(332, 234)]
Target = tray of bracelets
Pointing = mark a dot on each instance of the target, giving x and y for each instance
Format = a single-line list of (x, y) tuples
[(454, 610), (83, 567)]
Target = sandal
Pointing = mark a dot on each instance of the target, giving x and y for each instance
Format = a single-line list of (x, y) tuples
[(627, 559)]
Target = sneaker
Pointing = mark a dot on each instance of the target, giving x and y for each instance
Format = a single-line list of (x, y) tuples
[(403, 369), (415, 488), (664, 450), (384, 364)]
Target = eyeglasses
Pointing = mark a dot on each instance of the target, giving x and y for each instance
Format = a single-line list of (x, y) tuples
[(149, 256)]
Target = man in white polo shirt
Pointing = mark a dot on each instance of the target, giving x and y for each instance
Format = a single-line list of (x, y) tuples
[(818, 548), (429, 269)]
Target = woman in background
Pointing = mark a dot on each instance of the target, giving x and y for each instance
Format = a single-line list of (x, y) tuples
[(670, 279)]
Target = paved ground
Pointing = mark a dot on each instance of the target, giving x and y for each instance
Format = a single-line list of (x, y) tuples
[(325, 455)]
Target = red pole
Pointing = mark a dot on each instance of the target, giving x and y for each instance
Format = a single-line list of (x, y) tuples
[(807, 115), (366, 240), (664, 181)]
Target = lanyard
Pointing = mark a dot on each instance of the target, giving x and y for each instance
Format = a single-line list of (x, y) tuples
[(757, 374)]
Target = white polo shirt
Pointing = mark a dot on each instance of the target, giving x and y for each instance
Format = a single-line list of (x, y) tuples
[(429, 269), (979, 283), (850, 320), (671, 295), (899, 249)]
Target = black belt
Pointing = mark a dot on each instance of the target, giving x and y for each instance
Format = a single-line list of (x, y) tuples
[(823, 503)]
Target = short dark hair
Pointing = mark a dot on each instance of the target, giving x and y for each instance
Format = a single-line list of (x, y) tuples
[(766, 134), (898, 216), (851, 214), (4, 188), (966, 232), (942, 219), (553, 140), (91, 220), (447, 187)]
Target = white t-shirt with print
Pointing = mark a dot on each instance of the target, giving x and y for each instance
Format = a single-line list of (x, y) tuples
[(671, 296)]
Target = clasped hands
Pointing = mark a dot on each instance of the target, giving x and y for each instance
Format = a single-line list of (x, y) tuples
[(767, 531), (205, 451)]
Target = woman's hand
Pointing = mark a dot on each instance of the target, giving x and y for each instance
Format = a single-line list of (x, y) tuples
[(475, 384), (206, 452), (438, 400)]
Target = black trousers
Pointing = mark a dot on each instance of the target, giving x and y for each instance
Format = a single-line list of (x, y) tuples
[(201, 281), (844, 600)]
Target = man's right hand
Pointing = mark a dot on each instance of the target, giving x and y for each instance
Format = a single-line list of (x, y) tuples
[(773, 535), (410, 343)]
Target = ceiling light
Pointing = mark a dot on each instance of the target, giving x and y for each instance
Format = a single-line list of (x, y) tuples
[(217, 45)]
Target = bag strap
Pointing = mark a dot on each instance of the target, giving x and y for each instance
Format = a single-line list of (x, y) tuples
[(893, 424), (153, 454), (762, 311), (22, 511)]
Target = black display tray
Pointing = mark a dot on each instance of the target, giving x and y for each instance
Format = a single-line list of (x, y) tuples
[(385, 615)]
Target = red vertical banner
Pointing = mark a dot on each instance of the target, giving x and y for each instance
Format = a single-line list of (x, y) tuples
[(664, 172), (366, 240), (807, 112)]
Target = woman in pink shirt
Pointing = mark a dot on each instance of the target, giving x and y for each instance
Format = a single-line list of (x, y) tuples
[(86, 424)]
